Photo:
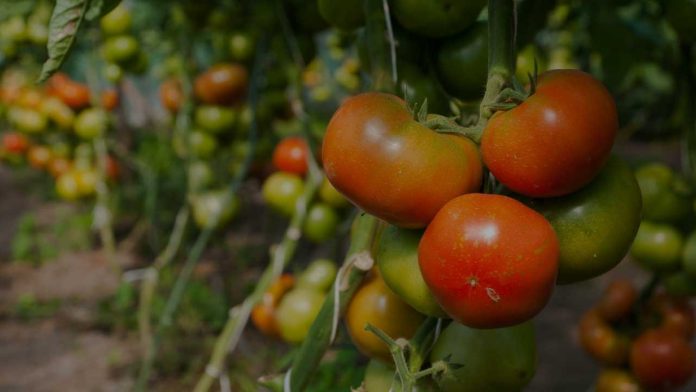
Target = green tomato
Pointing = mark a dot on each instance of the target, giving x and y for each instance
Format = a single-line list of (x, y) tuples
[(321, 223), (345, 15), (201, 144), (665, 195), (27, 120), (67, 186), (495, 360), (689, 255), (200, 175), (113, 72), (213, 209), (462, 63), (241, 45), (120, 48), (397, 258), (596, 225), (331, 196), (281, 191), (436, 18), (13, 29), (380, 377), (118, 21), (680, 284), (91, 123), (296, 313), (37, 33), (658, 247), (418, 85), (319, 275), (215, 119)]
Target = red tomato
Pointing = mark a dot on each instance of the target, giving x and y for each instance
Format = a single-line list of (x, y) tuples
[(557, 140), (290, 155), (263, 314), (109, 99), (617, 300), (489, 260), (675, 314), (14, 142), (39, 156), (113, 170), (662, 361), (59, 166), (221, 84), (601, 341), (170, 95), (73, 94), (393, 167)]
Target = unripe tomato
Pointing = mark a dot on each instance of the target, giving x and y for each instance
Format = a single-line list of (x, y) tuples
[(617, 301), (281, 191), (380, 159), (662, 199), (436, 18), (113, 169), (109, 99), (601, 341), (689, 255), (39, 156), (241, 45), (290, 155), (658, 247), (58, 112), (469, 51), (296, 313), (199, 175), (14, 142), (375, 304), (67, 186), (87, 179), (380, 377), (117, 21), (215, 119), (27, 120), (221, 84), (596, 225), (170, 95), (213, 209), (319, 275), (321, 223), (484, 268), (29, 98), (201, 144), (120, 48), (329, 195), (557, 140), (617, 380), (397, 258), (419, 86), (263, 314), (113, 72), (502, 359), (37, 33), (91, 123), (662, 361)]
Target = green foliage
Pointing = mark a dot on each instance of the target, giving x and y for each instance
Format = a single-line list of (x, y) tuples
[(65, 21), (29, 308), (339, 373)]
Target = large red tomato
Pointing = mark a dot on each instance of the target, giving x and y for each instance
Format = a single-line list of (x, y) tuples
[(393, 167), (489, 260), (662, 360), (557, 140)]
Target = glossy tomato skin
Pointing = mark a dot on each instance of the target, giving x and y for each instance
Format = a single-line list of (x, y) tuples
[(221, 84), (213, 209), (436, 18), (290, 155), (468, 51), (662, 361), (597, 224), (557, 140), (281, 191), (500, 360), (296, 313), (384, 162), (485, 268), (375, 304), (321, 223), (658, 247), (397, 259), (319, 275)]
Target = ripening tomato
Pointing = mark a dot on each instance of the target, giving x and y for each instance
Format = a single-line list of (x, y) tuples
[(91, 123), (675, 313), (72, 93), (601, 341), (109, 99), (67, 186), (375, 304), (87, 179), (500, 360), (616, 380), (617, 301), (170, 95), (596, 225), (27, 120), (662, 361), (557, 140), (58, 112), (485, 268), (290, 155), (385, 163), (14, 142), (221, 84), (39, 156), (59, 166), (397, 258), (263, 314)]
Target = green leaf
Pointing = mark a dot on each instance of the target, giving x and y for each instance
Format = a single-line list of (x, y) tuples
[(65, 22), (10, 8), (99, 8)]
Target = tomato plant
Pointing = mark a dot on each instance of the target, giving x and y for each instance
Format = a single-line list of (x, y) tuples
[(662, 360), (658, 247), (296, 312), (281, 191), (321, 222), (221, 84), (290, 155)]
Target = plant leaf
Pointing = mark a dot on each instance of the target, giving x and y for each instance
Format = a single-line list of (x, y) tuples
[(99, 8), (65, 22)]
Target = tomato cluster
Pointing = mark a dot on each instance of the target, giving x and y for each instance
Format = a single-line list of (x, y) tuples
[(641, 342)]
